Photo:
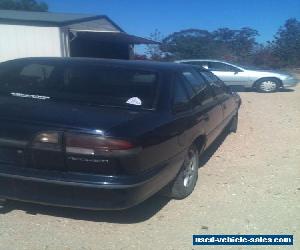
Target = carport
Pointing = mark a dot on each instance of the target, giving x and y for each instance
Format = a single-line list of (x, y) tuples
[(40, 34), (117, 45)]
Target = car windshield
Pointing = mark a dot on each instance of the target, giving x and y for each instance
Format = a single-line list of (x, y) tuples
[(80, 82)]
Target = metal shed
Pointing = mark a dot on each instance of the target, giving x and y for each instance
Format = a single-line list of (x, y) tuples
[(39, 34)]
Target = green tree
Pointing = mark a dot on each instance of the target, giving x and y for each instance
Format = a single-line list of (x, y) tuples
[(29, 5), (191, 43), (286, 43), (234, 45), (242, 44), (224, 38), (264, 56)]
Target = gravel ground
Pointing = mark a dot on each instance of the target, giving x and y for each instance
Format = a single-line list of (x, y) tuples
[(249, 184)]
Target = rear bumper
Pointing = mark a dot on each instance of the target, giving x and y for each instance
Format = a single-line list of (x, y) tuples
[(84, 191)]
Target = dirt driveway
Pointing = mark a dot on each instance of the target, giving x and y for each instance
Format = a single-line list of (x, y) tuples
[(250, 185)]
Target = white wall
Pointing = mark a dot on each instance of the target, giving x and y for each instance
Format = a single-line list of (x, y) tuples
[(17, 41)]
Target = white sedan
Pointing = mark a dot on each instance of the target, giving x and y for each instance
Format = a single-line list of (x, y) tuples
[(233, 75)]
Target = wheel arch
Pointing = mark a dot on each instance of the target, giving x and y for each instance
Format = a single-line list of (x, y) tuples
[(200, 143)]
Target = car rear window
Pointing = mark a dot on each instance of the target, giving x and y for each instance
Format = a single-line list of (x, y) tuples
[(89, 83)]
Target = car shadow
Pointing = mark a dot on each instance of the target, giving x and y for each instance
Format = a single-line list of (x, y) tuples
[(210, 151), (286, 90), (240, 89), (137, 214), (244, 89)]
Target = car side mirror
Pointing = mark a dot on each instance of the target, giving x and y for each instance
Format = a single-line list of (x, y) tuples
[(180, 107)]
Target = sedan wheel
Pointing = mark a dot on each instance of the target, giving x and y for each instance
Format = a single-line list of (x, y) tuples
[(189, 169), (186, 180), (267, 86)]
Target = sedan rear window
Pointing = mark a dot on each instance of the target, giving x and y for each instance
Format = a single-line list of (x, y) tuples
[(89, 83)]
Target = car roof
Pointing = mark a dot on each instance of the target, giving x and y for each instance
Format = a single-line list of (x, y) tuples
[(138, 64)]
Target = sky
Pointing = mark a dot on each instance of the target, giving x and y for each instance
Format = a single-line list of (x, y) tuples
[(143, 17)]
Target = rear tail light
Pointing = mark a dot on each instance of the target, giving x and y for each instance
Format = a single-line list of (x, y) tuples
[(48, 141), (81, 144), (95, 145), (48, 137)]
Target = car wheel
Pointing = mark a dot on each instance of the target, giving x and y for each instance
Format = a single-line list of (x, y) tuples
[(234, 123), (267, 85), (186, 180)]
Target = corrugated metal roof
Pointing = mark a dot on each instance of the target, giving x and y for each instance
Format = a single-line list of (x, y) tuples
[(14, 16)]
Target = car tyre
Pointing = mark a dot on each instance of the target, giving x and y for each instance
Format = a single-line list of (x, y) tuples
[(186, 180), (267, 85)]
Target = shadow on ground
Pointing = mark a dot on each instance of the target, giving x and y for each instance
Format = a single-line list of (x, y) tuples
[(137, 214), (212, 149), (243, 89)]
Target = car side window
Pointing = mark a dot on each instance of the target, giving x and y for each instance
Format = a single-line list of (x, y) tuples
[(203, 64), (195, 80), (219, 88), (181, 97), (210, 77), (206, 94), (218, 66)]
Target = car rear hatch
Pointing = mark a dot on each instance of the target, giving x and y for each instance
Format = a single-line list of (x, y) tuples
[(55, 113), (35, 133)]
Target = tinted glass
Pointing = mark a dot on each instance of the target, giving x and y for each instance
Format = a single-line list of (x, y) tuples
[(205, 94), (210, 77), (194, 79), (218, 90), (180, 93), (217, 85), (190, 90), (104, 85)]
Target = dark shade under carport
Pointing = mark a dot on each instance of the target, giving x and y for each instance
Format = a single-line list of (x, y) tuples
[(116, 45), (114, 37)]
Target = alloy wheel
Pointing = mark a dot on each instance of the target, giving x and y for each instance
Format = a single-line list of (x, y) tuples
[(190, 168), (268, 86)]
